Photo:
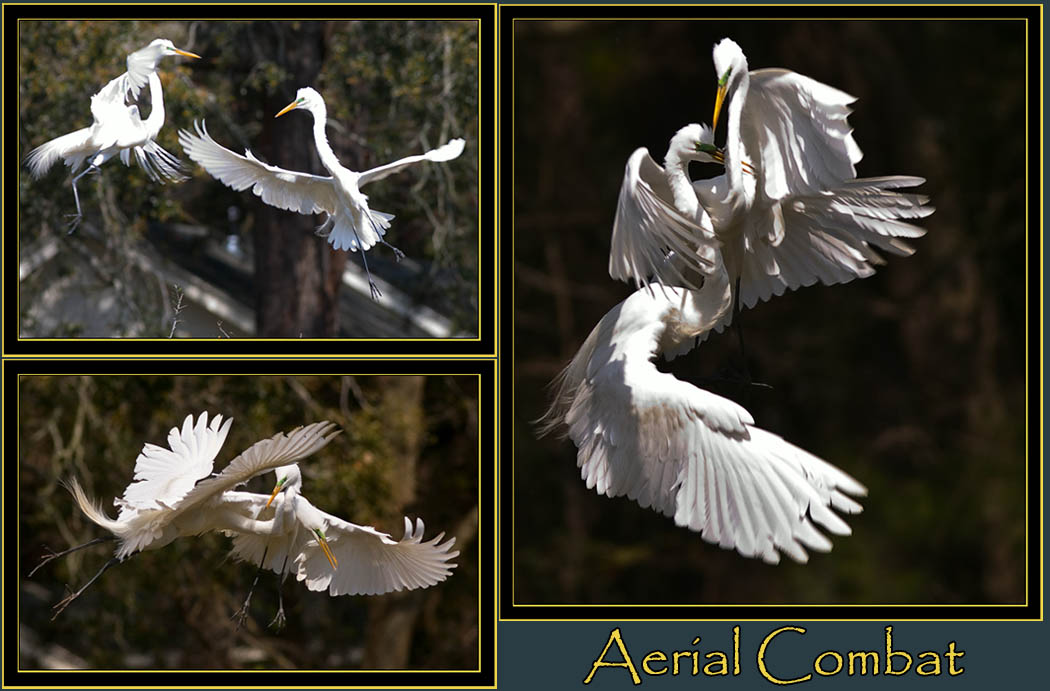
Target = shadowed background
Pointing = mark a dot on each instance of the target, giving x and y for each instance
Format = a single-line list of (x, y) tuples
[(912, 380), (408, 447)]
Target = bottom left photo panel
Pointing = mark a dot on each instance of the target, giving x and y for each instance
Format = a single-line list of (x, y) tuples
[(325, 521)]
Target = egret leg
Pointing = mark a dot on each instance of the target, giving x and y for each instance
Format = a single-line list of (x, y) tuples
[(737, 311), (371, 284), (55, 555), (325, 229), (76, 197), (398, 254), (241, 615), (68, 599), (278, 620)]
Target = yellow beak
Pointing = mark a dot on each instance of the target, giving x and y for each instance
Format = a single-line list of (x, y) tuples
[(274, 494), (291, 106), (719, 98), (187, 54), (323, 541)]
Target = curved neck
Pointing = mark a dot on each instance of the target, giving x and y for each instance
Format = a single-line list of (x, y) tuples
[(708, 305), (156, 113), (734, 147), (324, 149), (676, 170)]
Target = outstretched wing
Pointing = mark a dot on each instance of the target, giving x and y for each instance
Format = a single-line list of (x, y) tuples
[(164, 476), (648, 228), (830, 236), (371, 562), (286, 189), (797, 129), (696, 456), (280, 449), (444, 153)]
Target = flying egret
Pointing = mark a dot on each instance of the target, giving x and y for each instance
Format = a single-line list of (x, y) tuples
[(117, 128), (173, 493), (291, 535), (768, 246), (350, 223), (683, 451)]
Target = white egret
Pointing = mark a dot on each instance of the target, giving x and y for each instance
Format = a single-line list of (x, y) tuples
[(173, 496), (325, 552), (117, 128), (686, 452), (768, 246), (350, 223)]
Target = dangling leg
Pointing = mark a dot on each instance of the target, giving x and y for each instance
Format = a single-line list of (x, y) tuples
[(737, 311), (398, 254), (95, 162), (278, 620), (325, 229), (241, 616), (371, 284), (53, 555), (73, 596)]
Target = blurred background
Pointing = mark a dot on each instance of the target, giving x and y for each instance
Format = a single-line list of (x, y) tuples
[(409, 447), (199, 259), (912, 380)]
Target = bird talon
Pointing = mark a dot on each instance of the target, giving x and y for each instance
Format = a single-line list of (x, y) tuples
[(376, 294), (278, 621), (72, 225)]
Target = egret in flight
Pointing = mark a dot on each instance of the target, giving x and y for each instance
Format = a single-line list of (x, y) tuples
[(350, 223), (325, 552), (683, 451), (117, 128), (788, 212), (175, 494)]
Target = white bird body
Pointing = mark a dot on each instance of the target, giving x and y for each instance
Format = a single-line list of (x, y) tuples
[(683, 451), (172, 494), (353, 224), (798, 217), (117, 128), (326, 552)]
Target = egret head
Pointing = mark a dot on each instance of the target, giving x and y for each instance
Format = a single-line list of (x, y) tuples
[(289, 479), (305, 98), (730, 66), (694, 143), (162, 48), (315, 521)]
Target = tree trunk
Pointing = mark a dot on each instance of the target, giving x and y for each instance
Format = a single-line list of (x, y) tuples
[(297, 275)]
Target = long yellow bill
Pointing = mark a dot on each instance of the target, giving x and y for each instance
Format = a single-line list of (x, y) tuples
[(274, 494), (291, 106), (187, 54), (719, 98), (721, 158), (323, 541)]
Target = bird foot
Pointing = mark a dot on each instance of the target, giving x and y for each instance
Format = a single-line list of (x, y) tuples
[(72, 225), (48, 556), (376, 294), (322, 232), (278, 621), (241, 615), (60, 606), (398, 254)]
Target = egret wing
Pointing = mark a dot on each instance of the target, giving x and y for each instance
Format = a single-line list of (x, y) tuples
[(648, 228), (443, 153), (371, 562), (693, 455), (280, 449), (797, 128), (286, 189), (164, 476), (828, 237)]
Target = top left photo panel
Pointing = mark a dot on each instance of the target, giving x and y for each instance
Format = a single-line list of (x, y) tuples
[(297, 185)]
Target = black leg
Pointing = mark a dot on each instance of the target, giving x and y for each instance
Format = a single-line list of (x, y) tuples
[(371, 284), (737, 311), (241, 615), (398, 254), (278, 620), (73, 596), (53, 555)]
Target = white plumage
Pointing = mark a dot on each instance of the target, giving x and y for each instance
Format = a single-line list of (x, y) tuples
[(352, 224), (683, 451)]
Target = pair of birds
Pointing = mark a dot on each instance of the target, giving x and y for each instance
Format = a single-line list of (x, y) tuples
[(788, 212), (175, 494), (350, 223)]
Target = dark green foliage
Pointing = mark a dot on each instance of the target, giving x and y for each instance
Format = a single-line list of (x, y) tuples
[(171, 608)]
